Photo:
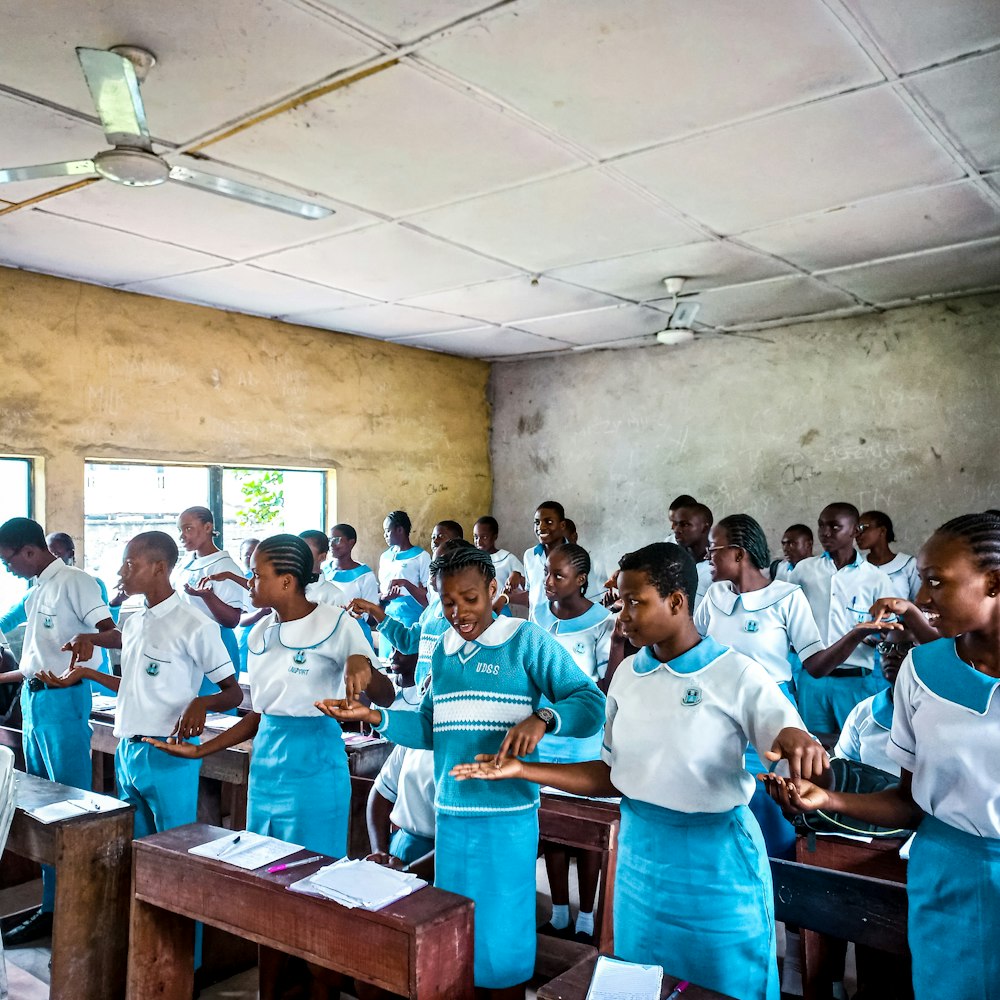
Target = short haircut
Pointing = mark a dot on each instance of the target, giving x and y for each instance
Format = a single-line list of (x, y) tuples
[(453, 526), (399, 519), (669, 567), (491, 523), (317, 536), (700, 508), (799, 529), (553, 505), (843, 507), (570, 526), (981, 532), (458, 554), (61, 538), (745, 533), (880, 520), (21, 531), (158, 545), (289, 554), (347, 530), (684, 500)]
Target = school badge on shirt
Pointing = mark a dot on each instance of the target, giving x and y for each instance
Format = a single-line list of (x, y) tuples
[(152, 668), (47, 621), (692, 697), (750, 625), (297, 660), (580, 648)]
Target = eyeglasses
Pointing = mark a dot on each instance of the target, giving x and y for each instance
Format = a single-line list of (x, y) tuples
[(902, 648), (6, 559), (712, 549)]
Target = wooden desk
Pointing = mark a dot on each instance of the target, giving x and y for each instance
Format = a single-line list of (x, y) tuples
[(592, 826), (879, 859), (573, 985), (419, 947), (91, 855)]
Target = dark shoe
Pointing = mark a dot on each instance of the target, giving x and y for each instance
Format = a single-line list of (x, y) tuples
[(564, 933), (582, 937), (38, 925)]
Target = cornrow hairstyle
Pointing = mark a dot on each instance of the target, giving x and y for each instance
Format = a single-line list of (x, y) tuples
[(802, 529), (578, 558), (317, 536), (21, 531), (347, 530), (981, 532), (684, 500), (553, 505), (743, 531), (399, 519), (880, 520), (158, 545), (491, 523), (289, 554), (454, 527), (458, 554), (669, 567), (204, 515)]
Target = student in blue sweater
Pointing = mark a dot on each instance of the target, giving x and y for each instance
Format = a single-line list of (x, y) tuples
[(489, 677)]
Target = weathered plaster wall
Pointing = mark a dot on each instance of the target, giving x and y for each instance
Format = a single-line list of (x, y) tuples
[(897, 412), (88, 372)]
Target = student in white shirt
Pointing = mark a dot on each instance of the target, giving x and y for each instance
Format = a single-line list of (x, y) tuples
[(550, 530), (354, 578), (485, 533), (402, 570), (796, 545), (693, 889), (684, 500), (841, 586), (56, 721), (691, 525), (875, 534)]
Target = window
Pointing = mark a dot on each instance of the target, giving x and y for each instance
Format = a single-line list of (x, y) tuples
[(16, 500), (120, 500)]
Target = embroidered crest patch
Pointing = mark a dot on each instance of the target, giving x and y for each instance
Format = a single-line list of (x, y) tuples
[(152, 668), (750, 625), (692, 697), (300, 656)]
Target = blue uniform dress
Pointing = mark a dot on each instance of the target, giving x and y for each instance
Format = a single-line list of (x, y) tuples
[(300, 789), (487, 833), (408, 564), (946, 731), (693, 888)]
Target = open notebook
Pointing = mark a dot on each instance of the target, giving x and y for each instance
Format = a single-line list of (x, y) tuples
[(361, 884), (617, 980)]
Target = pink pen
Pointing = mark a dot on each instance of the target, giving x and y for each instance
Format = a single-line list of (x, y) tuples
[(679, 989), (294, 864)]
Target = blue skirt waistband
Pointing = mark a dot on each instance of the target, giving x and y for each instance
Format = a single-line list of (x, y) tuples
[(959, 840), (671, 817)]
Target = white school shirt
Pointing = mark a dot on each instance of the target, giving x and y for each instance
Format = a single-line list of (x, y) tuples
[(761, 624), (63, 602), (865, 736), (903, 575), (228, 591), (783, 571), (407, 780), (410, 564), (946, 731), (534, 576), (704, 569), (167, 651), (587, 638), (676, 732), (840, 599), (505, 563), (357, 582), (323, 592), (291, 665)]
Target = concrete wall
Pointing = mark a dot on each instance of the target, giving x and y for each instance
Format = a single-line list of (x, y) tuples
[(88, 372), (897, 412)]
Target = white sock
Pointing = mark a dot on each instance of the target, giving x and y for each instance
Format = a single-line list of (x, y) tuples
[(791, 973), (560, 916), (585, 922)]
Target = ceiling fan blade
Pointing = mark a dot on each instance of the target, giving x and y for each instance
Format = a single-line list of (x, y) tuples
[(244, 192), (115, 90), (71, 168)]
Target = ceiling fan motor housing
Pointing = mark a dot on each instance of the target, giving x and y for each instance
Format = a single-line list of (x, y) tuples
[(131, 167)]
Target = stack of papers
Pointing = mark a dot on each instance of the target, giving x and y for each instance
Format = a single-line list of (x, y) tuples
[(71, 808), (246, 850), (104, 703), (616, 980), (216, 720), (359, 884)]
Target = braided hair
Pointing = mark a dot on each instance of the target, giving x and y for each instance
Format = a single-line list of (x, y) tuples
[(745, 533), (458, 554), (289, 554), (669, 567), (981, 532), (578, 558), (399, 519)]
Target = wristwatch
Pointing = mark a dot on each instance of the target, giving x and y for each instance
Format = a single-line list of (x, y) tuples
[(547, 716)]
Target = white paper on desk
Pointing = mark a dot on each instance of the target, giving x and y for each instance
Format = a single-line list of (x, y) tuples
[(250, 852), (904, 850), (216, 720), (104, 703), (79, 806), (616, 980), (859, 837), (361, 884)]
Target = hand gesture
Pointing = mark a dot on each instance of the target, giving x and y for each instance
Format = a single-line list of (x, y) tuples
[(386, 860), (73, 675), (199, 591), (514, 582), (359, 607), (82, 648), (886, 606), (175, 747), (806, 797), (488, 767), (357, 676), (806, 758), (345, 710), (191, 721), (522, 738)]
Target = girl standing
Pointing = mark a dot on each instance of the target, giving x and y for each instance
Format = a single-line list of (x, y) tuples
[(402, 570)]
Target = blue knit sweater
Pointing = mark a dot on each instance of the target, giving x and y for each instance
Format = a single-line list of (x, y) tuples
[(479, 690), (422, 637)]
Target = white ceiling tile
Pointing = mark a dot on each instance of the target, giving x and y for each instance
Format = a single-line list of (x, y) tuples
[(956, 95), (882, 227), (381, 320), (762, 301), (705, 265), (215, 62), (562, 220), (408, 20), (397, 142), (487, 342), (513, 299), (385, 262), (600, 325), (179, 214), (937, 272), (922, 32), (798, 161), (620, 75), (249, 289), (40, 242)]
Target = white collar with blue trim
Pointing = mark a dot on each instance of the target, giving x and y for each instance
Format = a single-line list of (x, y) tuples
[(726, 599), (500, 631), (858, 561), (695, 659), (944, 673), (882, 709)]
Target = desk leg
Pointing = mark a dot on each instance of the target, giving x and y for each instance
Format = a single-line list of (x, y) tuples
[(605, 923), (443, 960), (90, 923), (816, 984), (160, 954)]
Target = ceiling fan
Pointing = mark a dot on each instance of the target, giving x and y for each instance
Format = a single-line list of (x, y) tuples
[(113, 78)]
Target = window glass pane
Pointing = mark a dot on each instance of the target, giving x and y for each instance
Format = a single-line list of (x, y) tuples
[(119, 501), (15, 501)]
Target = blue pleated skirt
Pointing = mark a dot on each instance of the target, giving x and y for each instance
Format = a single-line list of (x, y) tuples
[(300, 789), (410, 847), (491, 859), (953, 885), (693, 894)]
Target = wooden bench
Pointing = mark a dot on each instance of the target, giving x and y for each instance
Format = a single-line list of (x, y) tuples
[(573, 985), (419, 947), (91, 854)]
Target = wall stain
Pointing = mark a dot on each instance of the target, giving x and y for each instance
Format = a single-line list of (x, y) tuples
[(809, 436), (531, 424)]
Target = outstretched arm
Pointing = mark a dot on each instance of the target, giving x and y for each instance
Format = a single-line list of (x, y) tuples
[(592, 777)]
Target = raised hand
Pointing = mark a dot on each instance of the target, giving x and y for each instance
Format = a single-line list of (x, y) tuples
[(806, 758), (488, 767), (346, 710)]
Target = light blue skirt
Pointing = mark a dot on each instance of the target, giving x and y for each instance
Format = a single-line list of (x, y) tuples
[(410, 847), (491, 859), (779, 834), (300, 789), (953, 885), (693, 893)]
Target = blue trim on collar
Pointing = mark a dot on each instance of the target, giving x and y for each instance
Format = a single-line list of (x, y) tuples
[(539, 549), (695, 659), (944, 673), (858, 560), (882, 706), (347, 575), (400, 555), (594, 615)]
